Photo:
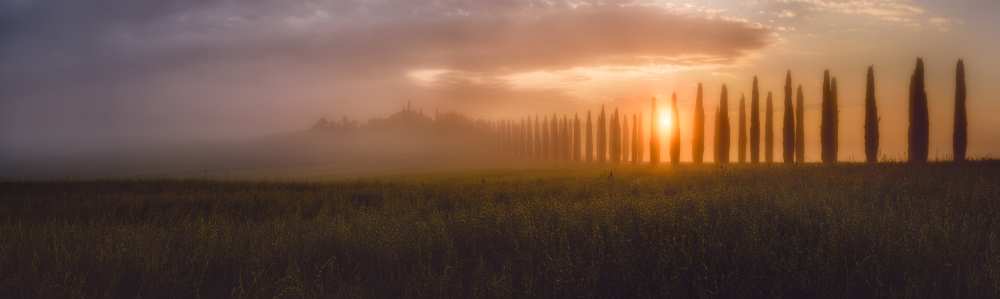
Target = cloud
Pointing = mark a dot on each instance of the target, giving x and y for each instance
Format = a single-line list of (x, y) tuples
[(899, 11), (73, 67)]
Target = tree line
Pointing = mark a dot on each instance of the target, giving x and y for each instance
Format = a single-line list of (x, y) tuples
[(608, 138)]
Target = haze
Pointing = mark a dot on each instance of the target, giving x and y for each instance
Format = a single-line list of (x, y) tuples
[(106, 77)]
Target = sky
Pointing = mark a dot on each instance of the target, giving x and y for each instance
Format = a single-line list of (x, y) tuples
[(110, 73)]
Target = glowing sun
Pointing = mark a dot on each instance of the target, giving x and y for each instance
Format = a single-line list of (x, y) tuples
[(666, 121)]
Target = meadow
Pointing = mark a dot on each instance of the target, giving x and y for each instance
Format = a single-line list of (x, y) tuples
[(843, 231)]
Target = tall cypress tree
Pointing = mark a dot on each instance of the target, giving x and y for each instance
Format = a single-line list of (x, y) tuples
[(769, 130), (742, 135), (835, 99), (554, 132), (636, 140), (871, 119), (827, 131), (546, 142), (626, 138), (919, 122), (565, 140), (654, 140), (602, 131), (960, 135), (788, 125), (576, 137), (755, 123), (800, 127), (530, 137), (640, 145), (675, 136), (569, 138), (589, 142), (698, 129), (614, 142), (539, 139), (722, 136)]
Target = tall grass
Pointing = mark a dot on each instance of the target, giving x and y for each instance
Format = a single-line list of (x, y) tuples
[(817, 231)]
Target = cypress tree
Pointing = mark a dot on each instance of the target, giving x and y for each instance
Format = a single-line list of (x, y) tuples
[(639, 147), (636, 140), (788, 125), (835, 99), (576, 137), (626, 146), (828, 133), (602, 131), (563, 138), (554, 133), (960, 137), (698, 129), (800, 127), (520, 137), (654, 140), (546, 142), (560, 137), (824, 126), (871, 119), (722, 136), (615, 142), (769, 131), (568, 139), (742, 135), (589, 148), (538, 139), (755, 123), (675, 136), (919, 122), (529, 138)]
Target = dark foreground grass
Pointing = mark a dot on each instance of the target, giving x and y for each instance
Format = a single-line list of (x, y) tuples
[(841, 232)]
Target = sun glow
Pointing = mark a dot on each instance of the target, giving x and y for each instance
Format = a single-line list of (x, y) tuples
[(666, 121)]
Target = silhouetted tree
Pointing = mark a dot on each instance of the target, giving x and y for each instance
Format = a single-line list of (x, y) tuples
[(637, 154), (675, 136), (788, 124), (654, 140), (836, 120), (602, 137), (755, 123), (871, 119), (800, 127), (960, 135), (520, 129), (698, 129), (828, 126), (576, 137), (722, 136), (769, 131), (563, 139), (589, 152), (641, 142), (615, 143), (546, 140), (530, 137), (626, 138), (556, 138), (568, 138), (919, 122), (742, 135)]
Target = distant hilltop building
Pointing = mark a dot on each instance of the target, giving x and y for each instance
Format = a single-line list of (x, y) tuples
[(408, 119)]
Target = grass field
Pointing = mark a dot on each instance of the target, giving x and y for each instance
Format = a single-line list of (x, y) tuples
[(845, 231)]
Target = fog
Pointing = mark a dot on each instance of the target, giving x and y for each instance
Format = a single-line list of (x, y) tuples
[(117, 87)]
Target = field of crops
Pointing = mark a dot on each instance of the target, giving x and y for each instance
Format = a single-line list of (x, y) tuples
[(813, 231)]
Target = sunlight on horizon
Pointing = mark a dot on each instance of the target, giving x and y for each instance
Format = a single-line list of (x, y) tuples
[(666, 121)]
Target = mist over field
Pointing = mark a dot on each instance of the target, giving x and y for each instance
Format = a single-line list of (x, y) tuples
[(407, 141)]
